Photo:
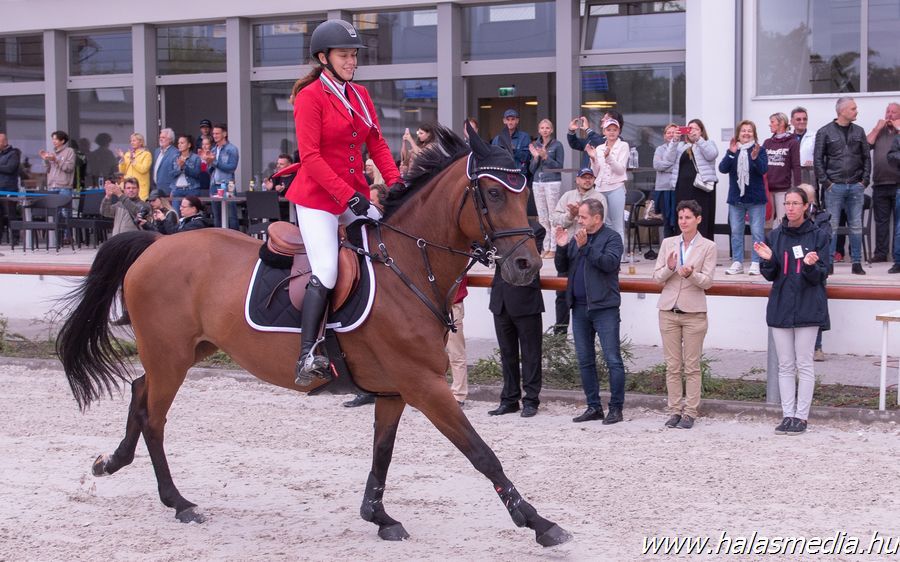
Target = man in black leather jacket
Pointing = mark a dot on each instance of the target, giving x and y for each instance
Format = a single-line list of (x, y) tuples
[(843, 167)]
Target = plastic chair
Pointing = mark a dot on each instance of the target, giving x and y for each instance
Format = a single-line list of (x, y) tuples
[(89, 223), (633, 200), (650, 224), (262, 208), (45, 211)]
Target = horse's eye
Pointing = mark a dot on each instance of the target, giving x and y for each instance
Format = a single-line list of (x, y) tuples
[(494, 193)]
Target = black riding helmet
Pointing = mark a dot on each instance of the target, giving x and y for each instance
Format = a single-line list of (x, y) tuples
[(333, 34)]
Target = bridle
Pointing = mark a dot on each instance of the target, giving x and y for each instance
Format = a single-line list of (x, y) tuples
[(483, 252)]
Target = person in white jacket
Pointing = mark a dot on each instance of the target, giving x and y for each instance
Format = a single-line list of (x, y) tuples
[(609, 162)]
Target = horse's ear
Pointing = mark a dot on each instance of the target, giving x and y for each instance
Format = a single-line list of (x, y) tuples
[(479, 147)]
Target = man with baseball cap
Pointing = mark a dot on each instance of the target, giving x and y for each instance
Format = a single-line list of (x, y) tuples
[(565, 215), (205, 130), (514, 140)]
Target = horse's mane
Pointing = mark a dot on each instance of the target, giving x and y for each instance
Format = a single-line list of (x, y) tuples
[(446, 149)]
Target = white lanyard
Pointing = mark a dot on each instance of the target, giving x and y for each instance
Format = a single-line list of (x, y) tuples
[(334, 89)]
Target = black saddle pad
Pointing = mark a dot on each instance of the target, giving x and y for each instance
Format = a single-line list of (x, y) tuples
[(268, 307)]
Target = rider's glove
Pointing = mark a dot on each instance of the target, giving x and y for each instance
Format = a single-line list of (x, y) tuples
[(359, 205)]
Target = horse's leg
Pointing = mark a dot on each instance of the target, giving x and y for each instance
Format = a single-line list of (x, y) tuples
[(165, 373), (124, 453), (387, 416), (441, 409)]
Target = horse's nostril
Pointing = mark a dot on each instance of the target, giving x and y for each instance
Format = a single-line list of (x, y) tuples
[(523, 263)]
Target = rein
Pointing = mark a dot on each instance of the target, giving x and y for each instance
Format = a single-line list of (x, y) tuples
[(484, 253)]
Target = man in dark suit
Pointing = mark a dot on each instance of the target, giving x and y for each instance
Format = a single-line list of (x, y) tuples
[(517, 320)]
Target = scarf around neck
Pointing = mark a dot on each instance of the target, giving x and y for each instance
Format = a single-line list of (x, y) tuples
[(743, 166)]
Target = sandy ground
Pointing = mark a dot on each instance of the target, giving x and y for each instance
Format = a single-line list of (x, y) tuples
[(280, 477)]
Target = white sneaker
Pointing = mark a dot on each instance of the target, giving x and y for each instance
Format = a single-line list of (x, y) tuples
[(754, 268), (736, 269)]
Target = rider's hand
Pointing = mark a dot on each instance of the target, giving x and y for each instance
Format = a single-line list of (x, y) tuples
[(359, 204)]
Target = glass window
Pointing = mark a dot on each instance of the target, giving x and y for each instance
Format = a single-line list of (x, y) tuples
[(809, 48), (648, 96), (272, 125), (190, 49), (21, 58), (282, 44), (22, 119), (100, 53), (101, 120), (398, 37), (884, 47), (635, 25), (399, 103), (509, 31)]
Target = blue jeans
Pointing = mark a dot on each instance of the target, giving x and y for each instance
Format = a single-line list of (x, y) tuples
[(897, 228), (736, 214), (604, 323), (850, 197)]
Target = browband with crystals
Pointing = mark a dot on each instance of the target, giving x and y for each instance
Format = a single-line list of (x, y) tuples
[(511, 178)]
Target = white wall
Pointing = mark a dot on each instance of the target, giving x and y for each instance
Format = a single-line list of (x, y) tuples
[(734, 322)]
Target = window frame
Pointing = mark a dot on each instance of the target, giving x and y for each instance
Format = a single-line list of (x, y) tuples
[(583, 29), (751, 58)]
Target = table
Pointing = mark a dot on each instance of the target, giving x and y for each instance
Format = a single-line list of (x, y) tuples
[(22, 198), (886, 319), (224, 202), (242, 200)]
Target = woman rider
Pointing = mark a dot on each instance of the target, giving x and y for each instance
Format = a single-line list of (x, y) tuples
[(333, 118)]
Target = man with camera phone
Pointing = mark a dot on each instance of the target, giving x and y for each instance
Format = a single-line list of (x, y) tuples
[(124, 205)]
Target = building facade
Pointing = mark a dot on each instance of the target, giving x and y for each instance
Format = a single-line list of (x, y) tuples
[(100, 70)]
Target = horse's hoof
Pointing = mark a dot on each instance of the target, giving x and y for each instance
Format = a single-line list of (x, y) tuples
[(553, 536), (190, 515), (99, 467), (394, 532)]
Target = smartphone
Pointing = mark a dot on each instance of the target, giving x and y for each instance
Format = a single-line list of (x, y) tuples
[(684, 130)]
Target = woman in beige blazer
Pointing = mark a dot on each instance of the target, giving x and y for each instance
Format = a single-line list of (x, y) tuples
[(685, 268)]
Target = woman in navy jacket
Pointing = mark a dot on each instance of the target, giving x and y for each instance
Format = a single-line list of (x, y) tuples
[(796, 260), (745, 163)]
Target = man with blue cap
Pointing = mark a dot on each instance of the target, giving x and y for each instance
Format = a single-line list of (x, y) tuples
[(514, 140), (565, 216)]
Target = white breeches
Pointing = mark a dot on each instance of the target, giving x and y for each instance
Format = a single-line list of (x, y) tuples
[(319, 229)]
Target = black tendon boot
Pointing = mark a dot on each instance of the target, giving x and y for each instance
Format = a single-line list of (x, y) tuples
[(311, 365)]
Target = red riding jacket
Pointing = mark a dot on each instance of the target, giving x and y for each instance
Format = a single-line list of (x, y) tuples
[(330, 141)]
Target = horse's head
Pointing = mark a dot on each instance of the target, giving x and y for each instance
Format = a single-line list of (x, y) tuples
[(500, 221)]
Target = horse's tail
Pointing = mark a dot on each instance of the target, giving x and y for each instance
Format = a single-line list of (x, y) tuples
[(85, 346)]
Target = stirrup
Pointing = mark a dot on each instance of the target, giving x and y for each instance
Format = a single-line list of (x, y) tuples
[(312, 368)]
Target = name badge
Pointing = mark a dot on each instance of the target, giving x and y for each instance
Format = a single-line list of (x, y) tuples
[(798, 252)]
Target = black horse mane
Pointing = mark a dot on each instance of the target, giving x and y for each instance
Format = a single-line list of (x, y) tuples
[(446, 149)]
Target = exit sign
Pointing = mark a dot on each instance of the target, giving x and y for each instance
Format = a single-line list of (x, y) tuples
[(506, 91)]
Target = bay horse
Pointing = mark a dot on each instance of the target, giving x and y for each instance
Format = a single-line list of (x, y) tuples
[(460, 204)]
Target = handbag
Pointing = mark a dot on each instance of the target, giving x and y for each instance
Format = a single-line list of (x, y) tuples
[(707, 186)]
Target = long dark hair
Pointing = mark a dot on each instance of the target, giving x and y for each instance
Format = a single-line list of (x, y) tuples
[(306, 81)]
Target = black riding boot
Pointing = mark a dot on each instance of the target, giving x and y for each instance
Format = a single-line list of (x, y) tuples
[(312, 365)]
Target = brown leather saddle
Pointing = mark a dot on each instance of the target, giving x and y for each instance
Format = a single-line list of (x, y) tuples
[(285, 240)]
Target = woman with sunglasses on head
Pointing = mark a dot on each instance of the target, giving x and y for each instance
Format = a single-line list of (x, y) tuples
[(795, 258), (334, 118)]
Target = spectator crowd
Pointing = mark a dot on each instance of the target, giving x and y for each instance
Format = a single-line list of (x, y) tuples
[(795, 189)]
